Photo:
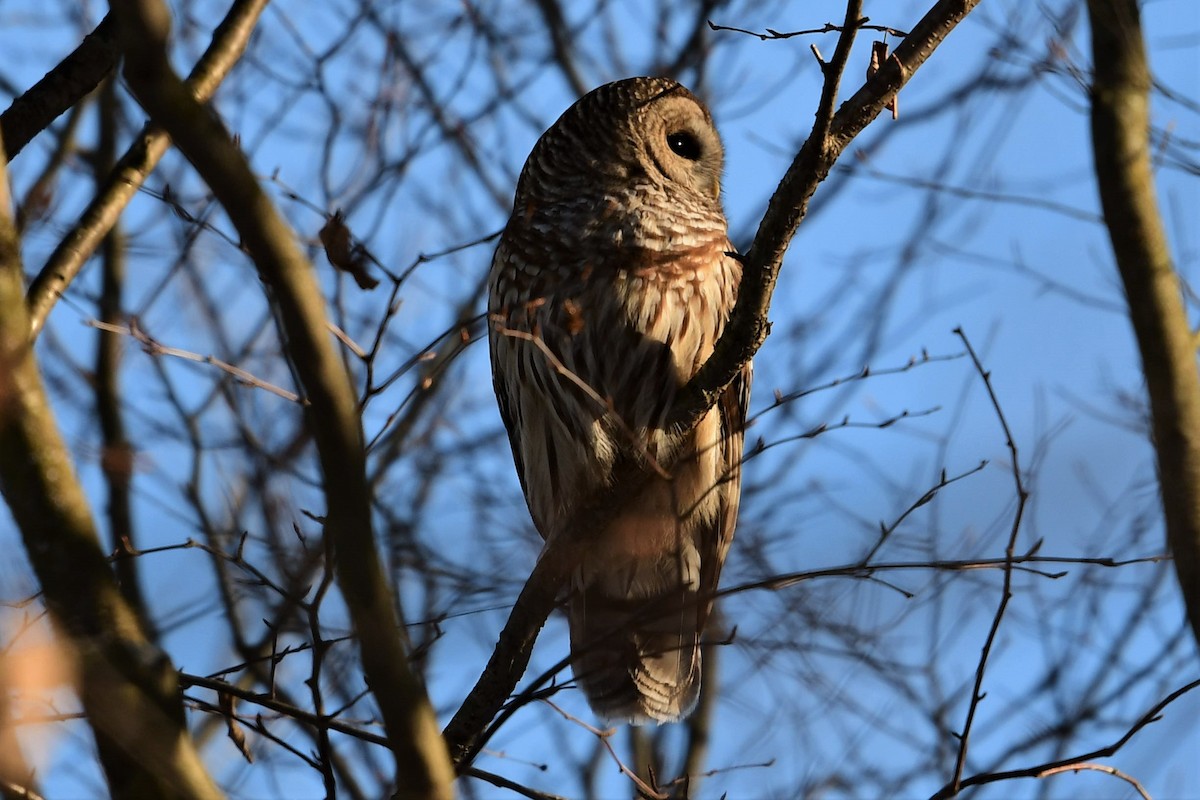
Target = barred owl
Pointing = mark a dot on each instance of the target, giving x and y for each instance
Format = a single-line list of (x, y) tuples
[(608, 289)]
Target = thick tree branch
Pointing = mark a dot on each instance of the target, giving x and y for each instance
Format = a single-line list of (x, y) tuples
[(746, 331), (124, 180), (62, 87), (129, 690), (422, 767), (1121, 147)]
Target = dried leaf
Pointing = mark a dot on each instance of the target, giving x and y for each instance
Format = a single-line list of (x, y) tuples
[(344, 254), (879, 54), (236, 735)]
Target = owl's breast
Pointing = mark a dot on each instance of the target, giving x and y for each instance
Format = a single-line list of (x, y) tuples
[(680, 298)]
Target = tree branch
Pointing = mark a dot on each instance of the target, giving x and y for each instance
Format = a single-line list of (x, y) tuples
[(977, 693), (1121, 147), (117, 455), (124, 180), (422, 767), (745, 332), (1049, 767), (62, 87), (128, 687), (748, 325)]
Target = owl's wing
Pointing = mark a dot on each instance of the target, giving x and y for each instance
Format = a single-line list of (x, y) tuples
[(536, 377), (508, 416), (731, 409), (501, 350)]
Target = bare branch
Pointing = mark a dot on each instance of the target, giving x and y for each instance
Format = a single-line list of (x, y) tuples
[(1125, 177), (154, 348), (964, 737), (64, 86), (1083, 765), (130, 172), (422, 769), (828, 27), (1040, 770), (744, 334), (128, 687)]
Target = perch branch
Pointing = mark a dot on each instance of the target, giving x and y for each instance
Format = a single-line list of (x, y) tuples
[(745, 332)]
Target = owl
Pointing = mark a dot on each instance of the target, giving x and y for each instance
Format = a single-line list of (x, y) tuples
[(609, 287)]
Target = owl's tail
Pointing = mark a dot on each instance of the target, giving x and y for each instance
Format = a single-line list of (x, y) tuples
[(636, 659)]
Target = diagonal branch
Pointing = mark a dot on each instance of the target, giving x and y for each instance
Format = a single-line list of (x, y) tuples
[(128, 687), (62, 87), (126, 178), (422, 767), (1042, 770), (748, 325), (1125, 177), (745, 332)]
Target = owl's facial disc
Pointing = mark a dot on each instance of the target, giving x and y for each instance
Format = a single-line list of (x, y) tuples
[(681, 143)]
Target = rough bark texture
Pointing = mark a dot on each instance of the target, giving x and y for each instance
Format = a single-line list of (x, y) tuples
[(1121, 146)]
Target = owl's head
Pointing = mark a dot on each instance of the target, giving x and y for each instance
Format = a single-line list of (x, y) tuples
[(634, 131)]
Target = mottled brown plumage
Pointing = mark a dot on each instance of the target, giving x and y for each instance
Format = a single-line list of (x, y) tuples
[(608, 290)]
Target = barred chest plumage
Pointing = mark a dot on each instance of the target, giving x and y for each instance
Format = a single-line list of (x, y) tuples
[(629, 306), (602, 341)]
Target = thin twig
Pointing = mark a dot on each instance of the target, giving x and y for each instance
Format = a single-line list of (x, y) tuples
[(1153, 715), (886, 529), (863, 374), (605, 737), (1081, 765), (513, 786), (860, 570), (1009, 554), (828, 27), (154, 348)]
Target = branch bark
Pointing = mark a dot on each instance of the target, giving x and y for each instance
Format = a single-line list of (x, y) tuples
[(69, 82), (129, 689), (748, 325), (117, 455), (1120, 120), (422, 766), (745, 332)]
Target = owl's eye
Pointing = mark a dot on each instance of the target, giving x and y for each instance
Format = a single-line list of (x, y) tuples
[(684, 145)]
